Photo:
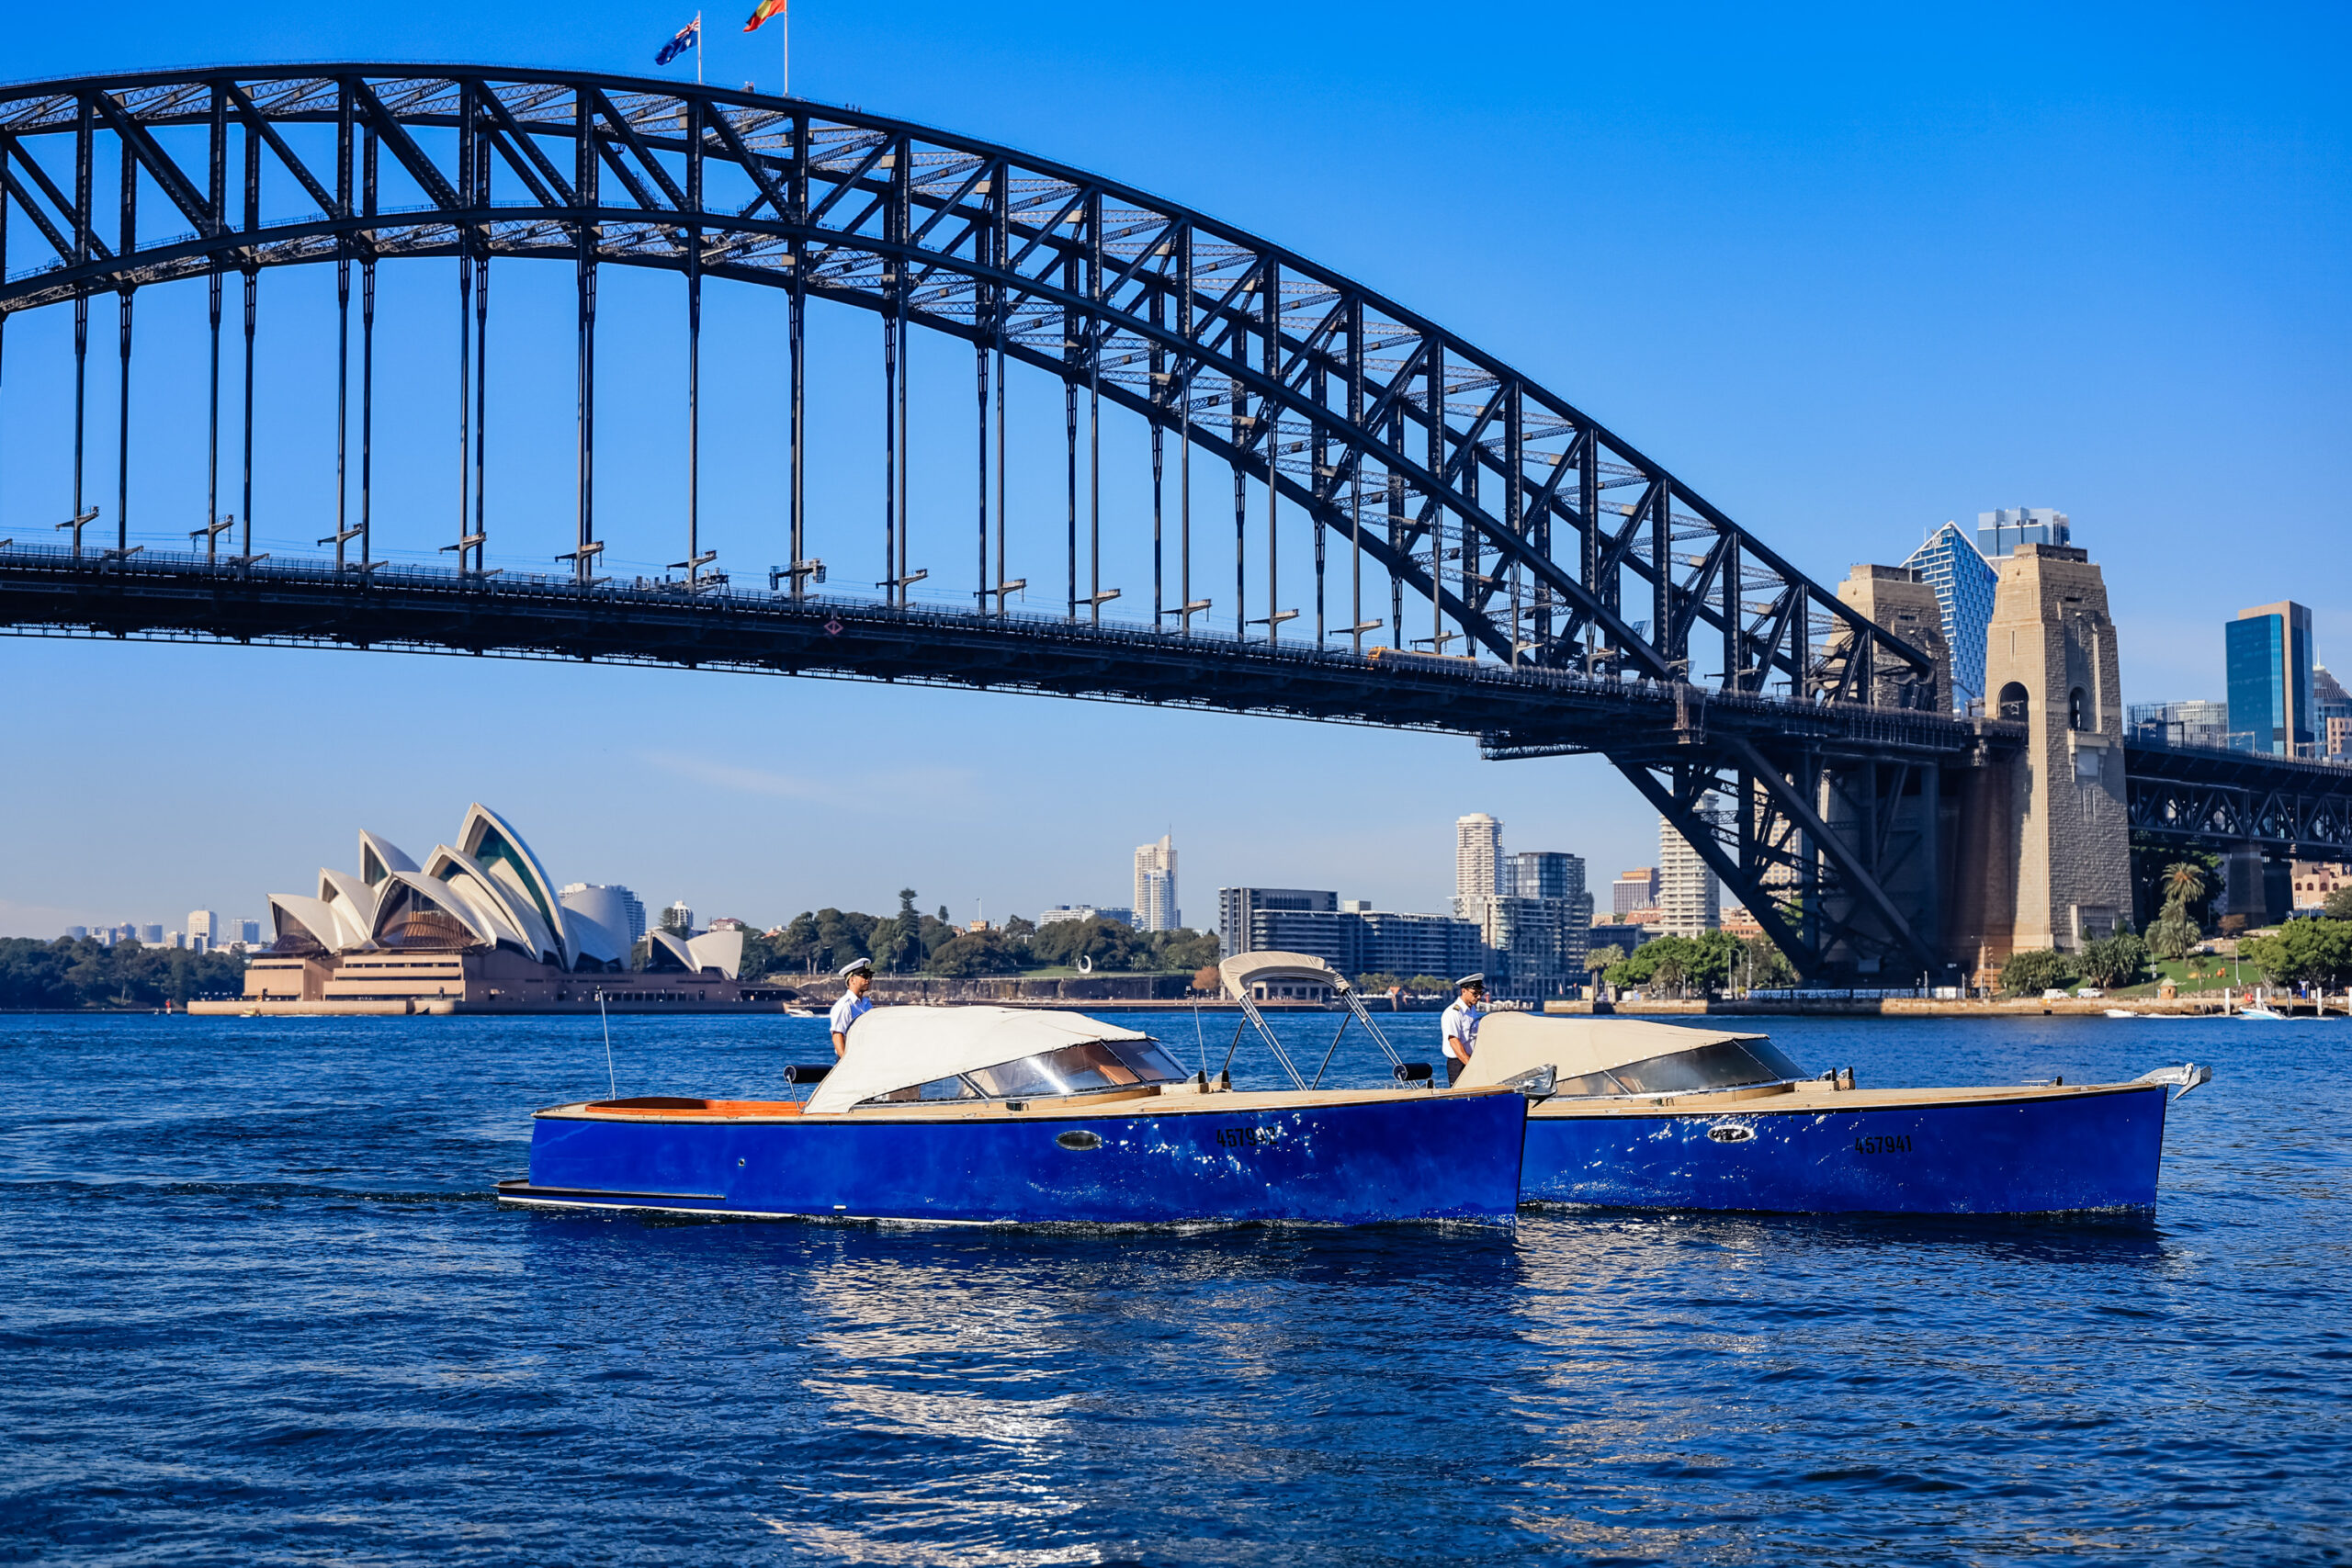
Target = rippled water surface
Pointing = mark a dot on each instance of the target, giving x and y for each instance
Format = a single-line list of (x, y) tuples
[(257, 1306)]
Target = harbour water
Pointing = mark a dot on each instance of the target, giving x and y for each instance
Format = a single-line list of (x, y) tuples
[(256, 1306)]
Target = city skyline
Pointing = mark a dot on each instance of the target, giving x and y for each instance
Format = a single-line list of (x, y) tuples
[(2187, 213)]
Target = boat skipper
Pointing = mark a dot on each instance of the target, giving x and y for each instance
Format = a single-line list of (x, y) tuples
[(857, 977), (1458, 1031)]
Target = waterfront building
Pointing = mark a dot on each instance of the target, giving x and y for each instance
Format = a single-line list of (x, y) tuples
[(1738, 922), (1963, 580), (2271, 683), (1237, 906), (1618, 935), (477, 923), (2314, 880), (2193, 722), (1087, 912), (1477, 859), (1405, 945), (1690, 895), (1634, 889), (1999, 532), (1156, 908)]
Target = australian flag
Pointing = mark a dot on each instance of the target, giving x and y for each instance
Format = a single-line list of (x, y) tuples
[(688, 37)]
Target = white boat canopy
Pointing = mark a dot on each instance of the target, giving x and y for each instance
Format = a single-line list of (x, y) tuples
[(1511, 1044), (900, 1047), (1244, 970)]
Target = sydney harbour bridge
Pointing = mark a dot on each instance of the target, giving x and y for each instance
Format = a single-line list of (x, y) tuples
[(1353, 515)]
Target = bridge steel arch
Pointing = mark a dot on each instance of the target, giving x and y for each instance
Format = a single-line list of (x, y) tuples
[(1560, 556)]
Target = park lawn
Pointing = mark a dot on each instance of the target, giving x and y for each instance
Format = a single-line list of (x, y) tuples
[(2234, 975)]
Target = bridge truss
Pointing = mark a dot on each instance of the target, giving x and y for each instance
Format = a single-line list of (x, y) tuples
[(1444, 502)]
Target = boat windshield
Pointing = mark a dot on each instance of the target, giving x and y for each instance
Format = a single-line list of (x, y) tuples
[(1079, 1069), (1725, 1064), (1073, 1069)]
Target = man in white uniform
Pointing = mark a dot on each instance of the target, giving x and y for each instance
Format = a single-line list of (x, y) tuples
[(1458, 1031), (858, 978)]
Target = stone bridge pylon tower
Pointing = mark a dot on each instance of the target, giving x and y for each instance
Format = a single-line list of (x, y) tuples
[(2050, 664)]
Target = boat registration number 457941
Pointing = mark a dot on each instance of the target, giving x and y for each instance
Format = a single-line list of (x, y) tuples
[(1883, 1144), (1247, 1137)]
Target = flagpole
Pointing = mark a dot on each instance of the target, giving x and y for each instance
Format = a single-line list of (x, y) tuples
[(788, 49), (697, 47)]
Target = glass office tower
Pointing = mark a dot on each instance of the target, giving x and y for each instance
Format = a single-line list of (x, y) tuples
[(2269, 654)]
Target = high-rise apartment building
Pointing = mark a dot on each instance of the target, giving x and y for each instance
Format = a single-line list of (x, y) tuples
[(1238, 905), (1634, 889), (2269, 654), (1999, 532), (204, 931), (1689, 897), (1544, 874), (1155, 906), (1964, 582), (679, 917), (1477, 859)]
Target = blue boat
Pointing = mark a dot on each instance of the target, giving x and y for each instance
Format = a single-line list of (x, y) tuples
[(1635, 1115), (1003, 1116)]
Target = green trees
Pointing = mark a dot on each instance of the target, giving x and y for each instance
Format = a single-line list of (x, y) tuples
[(2118, 960), (67, 974), (1680, 966), (910, 941), (2174, 933), (2305, 953), (2339, 905), (2034, 970)]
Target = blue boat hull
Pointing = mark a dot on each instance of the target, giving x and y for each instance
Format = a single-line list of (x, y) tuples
[(1395, 1158), (2085, 1151)]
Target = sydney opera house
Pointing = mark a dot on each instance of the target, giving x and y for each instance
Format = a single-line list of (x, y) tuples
[(479, 925)]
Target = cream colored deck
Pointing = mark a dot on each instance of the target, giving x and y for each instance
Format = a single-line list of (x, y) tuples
[(1815, 1098), (1179, 1101)]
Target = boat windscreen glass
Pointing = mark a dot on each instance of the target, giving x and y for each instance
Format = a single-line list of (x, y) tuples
[(1726, 1064), (951, 1087), (1079, 1069)]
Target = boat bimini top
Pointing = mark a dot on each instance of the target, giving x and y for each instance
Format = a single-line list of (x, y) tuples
[(1621, 1055), (901, 1053)]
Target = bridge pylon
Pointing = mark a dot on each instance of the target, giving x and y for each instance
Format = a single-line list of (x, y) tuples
[(2050, 664)]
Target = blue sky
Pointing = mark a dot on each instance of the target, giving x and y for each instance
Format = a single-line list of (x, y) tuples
[(1849, 273)]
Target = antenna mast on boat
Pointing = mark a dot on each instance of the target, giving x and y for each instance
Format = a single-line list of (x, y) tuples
[(610, 1082)]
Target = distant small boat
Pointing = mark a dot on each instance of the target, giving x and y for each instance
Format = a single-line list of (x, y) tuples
[(1636, 1114), (993, 1115)]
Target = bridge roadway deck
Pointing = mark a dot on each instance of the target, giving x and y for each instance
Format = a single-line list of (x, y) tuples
[(45, 591)]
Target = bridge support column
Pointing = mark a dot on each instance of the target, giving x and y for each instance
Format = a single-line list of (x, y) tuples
[(2050, 663), (2260, 889)]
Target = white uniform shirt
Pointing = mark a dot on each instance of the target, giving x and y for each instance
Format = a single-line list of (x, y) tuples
[(1461, 1024), (848, 1010)]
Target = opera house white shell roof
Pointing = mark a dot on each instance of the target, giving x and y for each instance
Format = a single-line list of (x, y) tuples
[(486, 890)]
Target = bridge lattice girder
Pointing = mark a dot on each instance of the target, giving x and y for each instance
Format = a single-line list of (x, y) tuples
[(2220, 798), (1500, 506)]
